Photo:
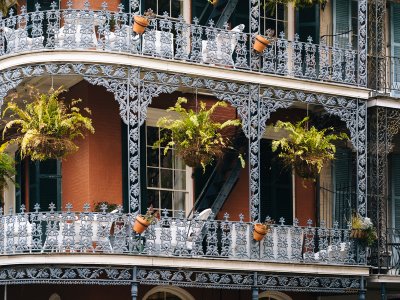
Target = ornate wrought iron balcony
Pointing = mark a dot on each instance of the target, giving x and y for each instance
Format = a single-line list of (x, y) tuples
[(111, 233), (172, 39)]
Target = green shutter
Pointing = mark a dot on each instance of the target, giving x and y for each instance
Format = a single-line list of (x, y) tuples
[(307, 23), (276, 193), (341, 25), (45, 183), (395, 46), (342, 167), (395, 190)]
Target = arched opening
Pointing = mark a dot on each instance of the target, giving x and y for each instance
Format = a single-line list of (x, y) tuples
[(272, 295), (167, 293)]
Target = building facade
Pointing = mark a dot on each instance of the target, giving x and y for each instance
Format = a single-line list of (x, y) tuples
[(336, 62)]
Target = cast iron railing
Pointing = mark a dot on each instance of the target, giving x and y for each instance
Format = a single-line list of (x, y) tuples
[(385, 76), (111, 233), (390, 257), (173, 39)]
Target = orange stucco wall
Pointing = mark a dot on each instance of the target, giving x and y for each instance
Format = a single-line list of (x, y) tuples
[(94, 173)]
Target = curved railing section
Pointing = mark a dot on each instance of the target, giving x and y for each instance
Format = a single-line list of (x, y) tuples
[(112, 233), (173, 39)]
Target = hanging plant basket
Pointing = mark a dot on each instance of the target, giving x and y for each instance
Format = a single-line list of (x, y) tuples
[(358, 234), (46, 127), (260, 43), (308, 168), (306, 148), (50, 147), (195, 137), (196, 156)]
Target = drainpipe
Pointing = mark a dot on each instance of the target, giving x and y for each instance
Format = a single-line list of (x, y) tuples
[(361, 294)]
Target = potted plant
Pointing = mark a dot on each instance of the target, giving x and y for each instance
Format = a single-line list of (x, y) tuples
[(260, 43), (141, 22), (143, 221), (194, 135), (363, 230), (306, 148), (261, 229), (46, 127)]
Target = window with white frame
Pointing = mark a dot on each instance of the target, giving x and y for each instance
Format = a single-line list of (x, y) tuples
[(168, 179), (174, 8), (274, 17)]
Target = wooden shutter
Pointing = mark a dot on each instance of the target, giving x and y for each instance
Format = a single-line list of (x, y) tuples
[(395, 48), (307, 23), (45, 183), (395, 190), (341, 24), (342, 167), (276, 195)]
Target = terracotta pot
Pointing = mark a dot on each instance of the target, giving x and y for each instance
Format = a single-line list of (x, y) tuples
[(140, 224), (260, 230), (260, 43), (140, 24)]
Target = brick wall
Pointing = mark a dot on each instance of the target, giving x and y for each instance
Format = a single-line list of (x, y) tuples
[(94, 173)]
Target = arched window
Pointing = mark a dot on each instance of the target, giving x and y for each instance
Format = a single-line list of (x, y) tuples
[(272, 295), (167, 293), (55, 296)]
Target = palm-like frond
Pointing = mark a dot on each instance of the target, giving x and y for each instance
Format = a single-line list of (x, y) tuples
[(306, 146), (195, 136), (47, 121)]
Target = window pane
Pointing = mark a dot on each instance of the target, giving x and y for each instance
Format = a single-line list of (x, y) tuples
[(166, 160), (152, 157), (163, 6), (48, 166), (153, 177), (166, 200), (179, 180), (153, 198), (152, 135), (176, 8), (150, 4), (179, 201), (166, 178)]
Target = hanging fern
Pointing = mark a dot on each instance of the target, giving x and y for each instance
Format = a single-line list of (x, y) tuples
[(5, 5), (307, 149), (7, 171), (46, 127), (194, 135)]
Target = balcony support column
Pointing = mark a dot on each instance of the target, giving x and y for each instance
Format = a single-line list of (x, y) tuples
[(383, 291), (135, 284), (361, 294), (254, 289)]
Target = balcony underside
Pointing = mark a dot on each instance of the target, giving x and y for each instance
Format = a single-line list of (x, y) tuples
[(190, 69)]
